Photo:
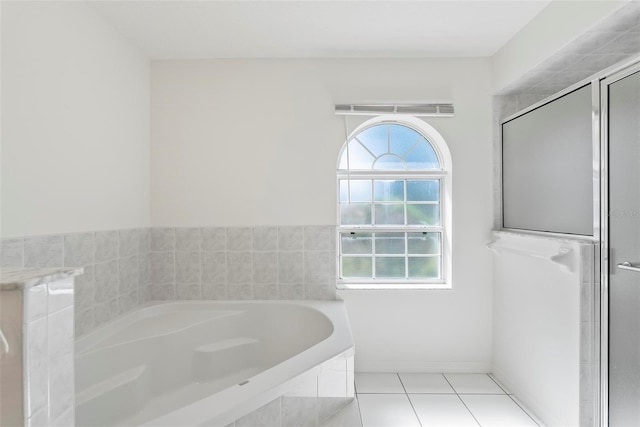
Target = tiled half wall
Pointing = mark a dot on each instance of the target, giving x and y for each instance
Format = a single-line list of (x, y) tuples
[(125, 268)]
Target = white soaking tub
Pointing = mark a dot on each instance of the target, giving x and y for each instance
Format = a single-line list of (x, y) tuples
[(211, 363)]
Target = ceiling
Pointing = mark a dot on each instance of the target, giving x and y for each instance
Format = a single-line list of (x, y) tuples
[(318, 29)]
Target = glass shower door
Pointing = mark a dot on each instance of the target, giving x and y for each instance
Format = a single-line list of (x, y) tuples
[(624, 248)]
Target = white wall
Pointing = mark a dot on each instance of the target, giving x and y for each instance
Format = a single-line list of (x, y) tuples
[(75, 122), (255, 142), (557, 25)]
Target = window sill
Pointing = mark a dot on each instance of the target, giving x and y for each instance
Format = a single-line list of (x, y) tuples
[(392, 287)]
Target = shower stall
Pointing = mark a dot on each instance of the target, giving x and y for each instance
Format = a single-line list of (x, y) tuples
[(620, 244)]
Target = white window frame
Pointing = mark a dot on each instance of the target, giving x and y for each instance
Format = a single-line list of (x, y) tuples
[(444, 174)]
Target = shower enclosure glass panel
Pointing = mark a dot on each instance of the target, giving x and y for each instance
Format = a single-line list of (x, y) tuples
[(624, 251)]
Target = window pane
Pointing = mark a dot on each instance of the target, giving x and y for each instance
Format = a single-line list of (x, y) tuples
[(360, 190), (357, 267), (355, 213), (388, 191), (356, 243), (424, 243), (423, 190), (375, 139), (403, 138), (424, 267), (422, 157), (359, 158), (390, 214), (422, 214), (390, 243), (389, 162), (390, 267)]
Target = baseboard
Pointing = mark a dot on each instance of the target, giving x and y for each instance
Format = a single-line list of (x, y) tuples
[(421, 366)]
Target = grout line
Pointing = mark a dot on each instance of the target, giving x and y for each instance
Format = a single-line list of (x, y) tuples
[(523, 410), (512, 398), (359, 411), (409, 399), (463, 402), (498, 384)]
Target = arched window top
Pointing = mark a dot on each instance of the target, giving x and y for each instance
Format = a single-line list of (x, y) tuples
[(389, 146)]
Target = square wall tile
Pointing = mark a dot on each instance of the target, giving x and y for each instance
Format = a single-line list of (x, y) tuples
[(266, 292), (214, 291), (265, 267), (128, 242), (265, 238), (188, 292), (319, 266), (320, 238), (43, 251), (84, 321), (79, 249), (188, 239), (239, 292), (106, 246), (106, 281), (214, 239), (214, 267), (162, 292), (291, 292), (128, 274), (239, 267), (162, 268), (290, 268), (291, 238), (163, 239), (127, 302), (239, 239), (12, 253), (188, 267), (104, 312), (144, 240)]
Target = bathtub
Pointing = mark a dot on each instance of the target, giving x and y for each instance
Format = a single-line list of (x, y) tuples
[(212, 363)]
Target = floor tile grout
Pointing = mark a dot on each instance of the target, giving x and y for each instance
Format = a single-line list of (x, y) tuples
[(409, 399), (455, 392), (463, 402)]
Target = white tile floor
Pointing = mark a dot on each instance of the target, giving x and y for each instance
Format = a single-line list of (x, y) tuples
[(421, 400)]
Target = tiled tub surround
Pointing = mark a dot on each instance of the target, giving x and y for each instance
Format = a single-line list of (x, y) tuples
[(37, 372), (125, 268), (310, 399), (243, 263), (116, 268), (253, 363)]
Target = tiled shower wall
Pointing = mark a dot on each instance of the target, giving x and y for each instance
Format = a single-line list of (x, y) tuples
[(124, 268)]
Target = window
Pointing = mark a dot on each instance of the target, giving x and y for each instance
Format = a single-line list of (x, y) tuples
[(394, 206)]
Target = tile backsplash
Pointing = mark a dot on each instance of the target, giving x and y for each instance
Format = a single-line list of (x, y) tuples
[(290, 262), (116, 269), (125, 268)]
